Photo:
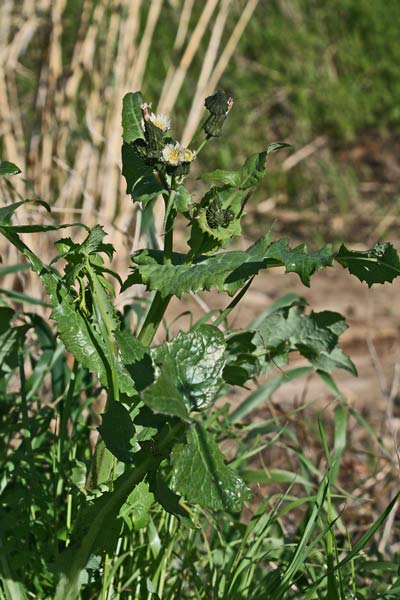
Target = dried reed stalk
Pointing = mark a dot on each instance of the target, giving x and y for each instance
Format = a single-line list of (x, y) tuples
[(70, 145)]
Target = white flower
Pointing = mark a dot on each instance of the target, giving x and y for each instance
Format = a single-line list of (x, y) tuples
[(161, 121), (173, 154)]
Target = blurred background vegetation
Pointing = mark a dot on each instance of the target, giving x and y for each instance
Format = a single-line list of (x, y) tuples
[(320, 75)]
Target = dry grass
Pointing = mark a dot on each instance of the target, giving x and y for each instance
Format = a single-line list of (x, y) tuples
[(70, 153)]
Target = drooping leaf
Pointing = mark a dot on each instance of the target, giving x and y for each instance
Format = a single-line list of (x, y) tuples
[(168, 500), (141, 183), (135, 511), (8, 168), (377, 265), (132, 117), (314, 335), (201, 475), (7, 211), (118, 432), (227, 271)]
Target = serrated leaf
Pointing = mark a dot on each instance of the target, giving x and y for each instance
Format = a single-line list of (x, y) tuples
[(8, 168), (227, 271), (135, 511), (75, 333), (299, 260), (250, 174), (118, 432), (377, 265), (200, 474), (141, 183), (94, 243), (131, 349), (132, 117)]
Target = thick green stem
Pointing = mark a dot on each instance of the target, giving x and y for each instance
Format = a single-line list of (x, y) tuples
[(159, 304), (153, 318), (109, 506)]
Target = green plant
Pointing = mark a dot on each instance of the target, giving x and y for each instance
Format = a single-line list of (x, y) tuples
[(160, 429)]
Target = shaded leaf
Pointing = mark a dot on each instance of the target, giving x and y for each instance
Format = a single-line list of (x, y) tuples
[(118, 432), (201, 475), (141, 183), (163, 395), (168, 500)]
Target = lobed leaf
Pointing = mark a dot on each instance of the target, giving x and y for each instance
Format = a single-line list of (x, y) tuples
[(201, 475), (227, 271), (377, 265)]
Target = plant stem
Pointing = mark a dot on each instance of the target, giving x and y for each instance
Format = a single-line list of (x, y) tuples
[(67, 406), (232, 304), (153, 318), (159, 304), (108, 507)]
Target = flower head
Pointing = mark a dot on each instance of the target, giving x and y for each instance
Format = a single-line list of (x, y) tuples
[(189, 155), (161, 121), (173, 154)]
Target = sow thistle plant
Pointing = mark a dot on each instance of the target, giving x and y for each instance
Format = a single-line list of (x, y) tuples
[(158, 438)]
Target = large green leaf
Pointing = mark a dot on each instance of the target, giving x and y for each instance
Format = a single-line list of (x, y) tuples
[(377, 265), (227, 271), (201, 475), (141, 183), (188, 372), (132, 117), (197, 360), (8, 168), (76, 334)]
